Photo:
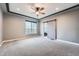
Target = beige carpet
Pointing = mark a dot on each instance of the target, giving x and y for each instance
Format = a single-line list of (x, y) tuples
[(39, 47)]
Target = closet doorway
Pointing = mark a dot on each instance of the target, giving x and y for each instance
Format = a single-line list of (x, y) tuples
[(50, 28)]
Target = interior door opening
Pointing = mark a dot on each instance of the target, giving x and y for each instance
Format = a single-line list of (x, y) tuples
[(50, 29)]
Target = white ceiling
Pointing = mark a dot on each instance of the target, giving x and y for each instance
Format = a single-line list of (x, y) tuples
[(50, 8)]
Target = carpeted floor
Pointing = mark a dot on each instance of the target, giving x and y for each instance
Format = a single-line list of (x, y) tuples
[(39, 47)]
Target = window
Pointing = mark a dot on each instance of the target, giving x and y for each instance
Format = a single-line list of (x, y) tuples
[(30, 27)]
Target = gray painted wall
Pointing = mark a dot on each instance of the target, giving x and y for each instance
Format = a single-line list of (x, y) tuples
[(67, 25), (1, 26), (14, 26)]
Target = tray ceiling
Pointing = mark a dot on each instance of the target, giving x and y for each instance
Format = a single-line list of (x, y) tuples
[(49, 8)]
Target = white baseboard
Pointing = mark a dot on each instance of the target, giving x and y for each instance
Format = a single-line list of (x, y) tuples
[(10, 40), (68, 42)]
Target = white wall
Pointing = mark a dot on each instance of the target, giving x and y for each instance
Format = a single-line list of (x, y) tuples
[(14, 26), (67, 25), (1, 22)]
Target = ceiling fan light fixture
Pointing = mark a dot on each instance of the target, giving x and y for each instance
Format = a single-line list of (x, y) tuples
[(37, 13), (38, 9)]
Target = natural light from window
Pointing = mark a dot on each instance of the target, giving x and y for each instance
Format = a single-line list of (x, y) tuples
[(30, 27)]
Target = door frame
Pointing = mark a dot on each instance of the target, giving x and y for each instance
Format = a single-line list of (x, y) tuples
[(55, 20)]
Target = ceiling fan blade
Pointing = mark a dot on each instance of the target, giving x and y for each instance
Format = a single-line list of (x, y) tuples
[(41, 12), (34, 9), (41, 9)]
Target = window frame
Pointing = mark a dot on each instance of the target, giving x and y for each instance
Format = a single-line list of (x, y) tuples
[(31, 27)]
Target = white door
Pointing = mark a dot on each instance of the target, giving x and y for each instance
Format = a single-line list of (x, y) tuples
[(49, 28)]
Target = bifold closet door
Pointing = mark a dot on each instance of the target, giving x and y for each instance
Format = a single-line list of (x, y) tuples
[(50, 29)]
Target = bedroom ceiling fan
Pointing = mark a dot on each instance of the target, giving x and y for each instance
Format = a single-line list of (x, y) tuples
[(39, 10)]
